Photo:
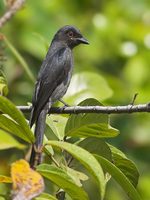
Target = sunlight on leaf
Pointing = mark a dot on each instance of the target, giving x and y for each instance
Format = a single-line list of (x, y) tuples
[(63, 180), (90, 124), (87, 159), (8, 141), (76, 175), (56, 125)]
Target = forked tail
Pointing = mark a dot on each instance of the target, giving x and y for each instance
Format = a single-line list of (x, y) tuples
[(36, 153)]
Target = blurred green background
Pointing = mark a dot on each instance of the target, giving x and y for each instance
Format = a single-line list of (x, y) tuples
[(114, 67)]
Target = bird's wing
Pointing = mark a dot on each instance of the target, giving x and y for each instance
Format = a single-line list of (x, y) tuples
[(53, 72)]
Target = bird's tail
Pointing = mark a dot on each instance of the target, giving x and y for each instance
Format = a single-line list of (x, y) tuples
[(36, 153)]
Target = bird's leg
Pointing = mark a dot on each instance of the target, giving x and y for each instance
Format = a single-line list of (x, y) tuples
[(64, 103), (49, 106)]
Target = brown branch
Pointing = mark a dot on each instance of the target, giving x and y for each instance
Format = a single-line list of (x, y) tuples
[(95, 109), (12, 10)]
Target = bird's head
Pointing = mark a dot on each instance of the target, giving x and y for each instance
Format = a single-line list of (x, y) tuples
[(70, 36)]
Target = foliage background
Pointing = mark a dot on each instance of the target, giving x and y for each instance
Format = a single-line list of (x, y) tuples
[(119, 35)]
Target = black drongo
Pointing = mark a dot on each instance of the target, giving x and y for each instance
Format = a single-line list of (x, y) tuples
[(53, 81)]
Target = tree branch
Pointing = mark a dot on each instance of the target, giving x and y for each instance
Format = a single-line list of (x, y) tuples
[(13, 9), (94, 109)]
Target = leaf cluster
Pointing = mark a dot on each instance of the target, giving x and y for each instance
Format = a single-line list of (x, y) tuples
[(84, 146)]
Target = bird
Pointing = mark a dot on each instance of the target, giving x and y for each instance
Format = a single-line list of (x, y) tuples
[(52, 82)]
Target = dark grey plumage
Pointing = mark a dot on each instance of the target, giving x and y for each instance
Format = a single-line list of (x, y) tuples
[(53, 79)]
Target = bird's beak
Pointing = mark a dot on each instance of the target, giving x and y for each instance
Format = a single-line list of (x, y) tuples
[(83, 40)]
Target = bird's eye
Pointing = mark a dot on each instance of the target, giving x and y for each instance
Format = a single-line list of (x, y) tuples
[(70, 34)]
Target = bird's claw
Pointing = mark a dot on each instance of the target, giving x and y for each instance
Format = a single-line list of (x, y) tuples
[(64, 103)]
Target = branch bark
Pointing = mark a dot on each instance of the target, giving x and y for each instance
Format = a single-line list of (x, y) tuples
[(95, 109), (12, 10)]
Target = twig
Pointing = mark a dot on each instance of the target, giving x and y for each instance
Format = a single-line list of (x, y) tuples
[(134, 98), (94, 109), (13, 9)]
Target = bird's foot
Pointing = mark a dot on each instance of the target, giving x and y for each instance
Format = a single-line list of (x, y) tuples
[(64, 103)]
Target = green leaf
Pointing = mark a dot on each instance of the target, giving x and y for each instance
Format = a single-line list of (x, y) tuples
[(86, 159), (119, 177), (45, 196), (48, 149), (7, 107), (13, 128), (7, 141), (114, 150), (94, 102), (97, 146), (63, 180), (127, 166), (87, 85), (56, 124), (94, 130), (91, 124), (99, 118), (76, 176)]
